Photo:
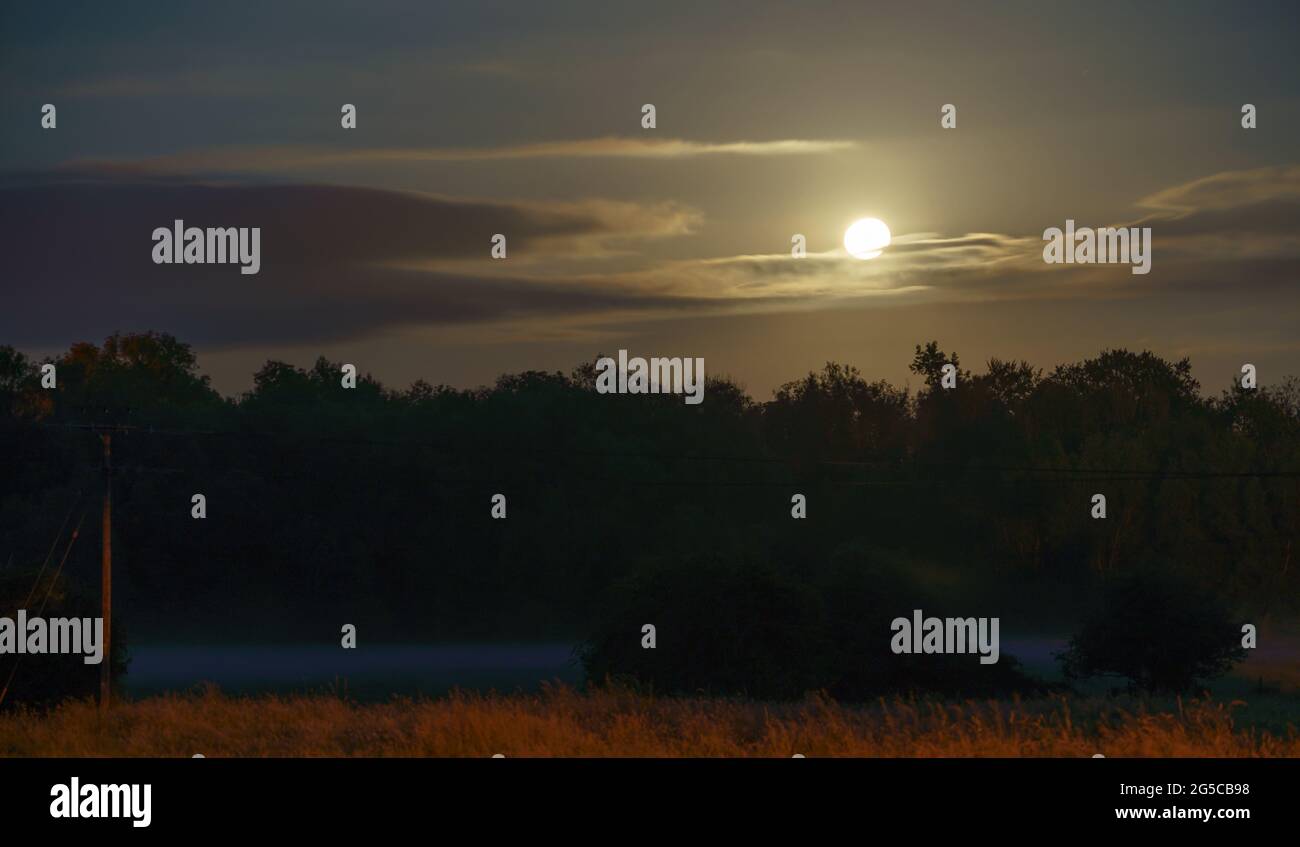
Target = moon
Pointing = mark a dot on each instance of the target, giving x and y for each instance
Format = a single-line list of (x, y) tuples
[(867, 238)]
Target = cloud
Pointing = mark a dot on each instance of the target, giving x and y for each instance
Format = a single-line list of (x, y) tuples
[(976, 262), (1248, 215), (336, 261), (1229, 190), (285, 158), (1236, 230), (341, 263)]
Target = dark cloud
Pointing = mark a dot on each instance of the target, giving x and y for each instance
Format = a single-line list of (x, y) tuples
[(335, 261)]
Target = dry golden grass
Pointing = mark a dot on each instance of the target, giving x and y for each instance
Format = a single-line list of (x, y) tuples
[(563, 722)]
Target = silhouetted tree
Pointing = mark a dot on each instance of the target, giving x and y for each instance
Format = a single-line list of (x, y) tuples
[(1161, 633)]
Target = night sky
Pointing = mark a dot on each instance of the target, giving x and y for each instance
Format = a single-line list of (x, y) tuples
[(772, 120)]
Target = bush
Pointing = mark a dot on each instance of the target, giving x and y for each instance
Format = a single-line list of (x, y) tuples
[(745, 629), (1161, 632), (721, 629), (865, 591)]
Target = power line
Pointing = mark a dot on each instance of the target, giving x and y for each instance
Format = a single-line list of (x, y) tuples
[(49, 589), (53, 544)]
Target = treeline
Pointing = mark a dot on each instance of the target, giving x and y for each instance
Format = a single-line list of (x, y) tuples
[(372, 505)]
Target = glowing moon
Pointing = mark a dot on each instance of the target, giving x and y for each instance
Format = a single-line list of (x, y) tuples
[(866, 238)]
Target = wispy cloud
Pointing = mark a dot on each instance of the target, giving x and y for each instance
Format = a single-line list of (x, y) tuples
[(286, 158), (346, 262), (1228, 190)]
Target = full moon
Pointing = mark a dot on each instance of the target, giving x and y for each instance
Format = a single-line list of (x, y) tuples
[(866, 238)]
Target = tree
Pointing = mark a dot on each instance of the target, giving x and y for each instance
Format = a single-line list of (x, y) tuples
[(929, 361), (1161, 632), (147, 375)]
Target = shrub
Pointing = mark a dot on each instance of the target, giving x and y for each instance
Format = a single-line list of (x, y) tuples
[(721, 629), (1160, 632)]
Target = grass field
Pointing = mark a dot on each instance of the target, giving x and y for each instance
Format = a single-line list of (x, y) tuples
[(563, 722)]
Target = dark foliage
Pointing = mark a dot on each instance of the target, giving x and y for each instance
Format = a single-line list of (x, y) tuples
[(1158, 631), (371, 505), (733, 626)]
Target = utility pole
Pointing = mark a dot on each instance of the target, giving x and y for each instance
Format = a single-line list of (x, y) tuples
[(106, 666), (105, 432)]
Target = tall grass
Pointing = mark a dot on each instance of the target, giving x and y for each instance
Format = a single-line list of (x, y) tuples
[(562, 722)]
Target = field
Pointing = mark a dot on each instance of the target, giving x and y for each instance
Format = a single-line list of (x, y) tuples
[(563, 722)]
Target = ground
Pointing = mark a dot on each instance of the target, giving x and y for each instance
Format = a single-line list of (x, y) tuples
[(560, 721)]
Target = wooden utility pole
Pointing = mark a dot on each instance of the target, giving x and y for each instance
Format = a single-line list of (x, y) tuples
[(106, 666), (105, 432)]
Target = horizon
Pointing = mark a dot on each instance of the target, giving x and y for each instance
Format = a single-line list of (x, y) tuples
[(911, 382)]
